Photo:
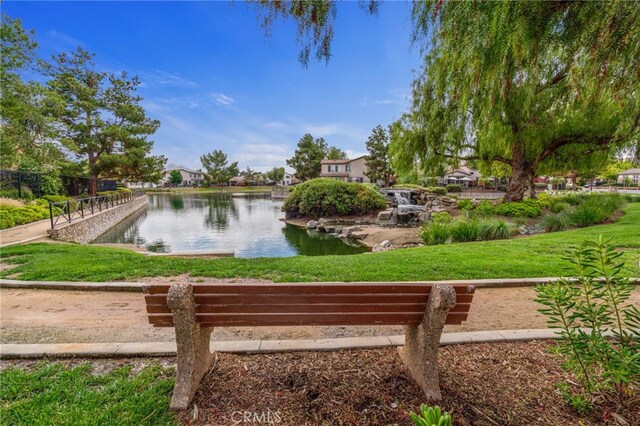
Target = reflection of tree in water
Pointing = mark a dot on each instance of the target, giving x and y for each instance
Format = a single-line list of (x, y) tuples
[(158, 246), (177, 203), (219, 210), (310, 243)]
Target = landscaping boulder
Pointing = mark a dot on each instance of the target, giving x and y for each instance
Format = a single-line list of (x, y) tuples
[(385, 215), (312, 224), (329, 229), (359, 235), (424, 217), (348, 230)]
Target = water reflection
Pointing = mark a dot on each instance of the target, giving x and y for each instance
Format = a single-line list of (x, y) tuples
[(249, 225)]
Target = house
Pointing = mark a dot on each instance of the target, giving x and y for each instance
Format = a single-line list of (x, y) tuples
[(346, 170), (237, 181), (288, 180), (464, 175), (631, 175), (189, 177)]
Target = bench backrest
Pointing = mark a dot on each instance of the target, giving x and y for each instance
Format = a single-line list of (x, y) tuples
[(220, 305)]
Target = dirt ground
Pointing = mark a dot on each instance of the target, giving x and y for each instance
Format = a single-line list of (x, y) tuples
[(60, 316), (506, 384)]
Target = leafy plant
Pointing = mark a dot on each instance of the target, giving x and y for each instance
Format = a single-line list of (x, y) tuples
[(465, 204), (463, 230), (497, 229), (558, 206), (438, 190), (587, 214), (484, 209), (441, 217), (586, 311), (431, 416), (433, 233), (556, 222), (526, 208), (454, 188)]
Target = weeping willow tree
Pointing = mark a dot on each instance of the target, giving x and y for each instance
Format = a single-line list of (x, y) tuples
[(531, 85)]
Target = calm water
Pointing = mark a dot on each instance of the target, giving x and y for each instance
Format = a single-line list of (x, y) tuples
[(217, 221)]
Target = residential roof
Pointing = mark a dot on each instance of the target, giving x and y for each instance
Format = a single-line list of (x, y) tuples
[(345, 161), (181, 168), (237, 179), (630, 172), (334, 174)]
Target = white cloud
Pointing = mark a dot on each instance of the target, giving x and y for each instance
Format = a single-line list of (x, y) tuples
[(66, 38), (263, 156), (354, 154), (222, 99), (164, 78), (322, 130)]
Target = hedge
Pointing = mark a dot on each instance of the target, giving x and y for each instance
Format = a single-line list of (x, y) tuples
[(13, 216), (329, 197)]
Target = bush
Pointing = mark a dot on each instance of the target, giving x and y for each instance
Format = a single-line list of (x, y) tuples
[(484, 209), (13, 216), (497, 229), (588, 214), (56, 198), (463, 230), (328, 197), (438, 190), (558, 206), (454, 188), (526, 208), (603, 366), (556, 222), (441, 217), (465, 204), (433, 233), (26, 193)]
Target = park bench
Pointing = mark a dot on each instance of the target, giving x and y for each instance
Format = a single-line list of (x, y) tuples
[(195, 309)]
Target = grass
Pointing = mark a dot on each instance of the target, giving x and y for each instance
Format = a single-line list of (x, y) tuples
[(534, 256), (54, 394)]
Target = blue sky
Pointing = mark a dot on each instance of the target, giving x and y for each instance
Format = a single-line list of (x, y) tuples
[(215, 81)]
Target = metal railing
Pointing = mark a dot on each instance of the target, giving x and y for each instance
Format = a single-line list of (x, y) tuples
[(64, 212)]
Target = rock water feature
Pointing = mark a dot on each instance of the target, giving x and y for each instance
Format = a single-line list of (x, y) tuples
[(412, 207)]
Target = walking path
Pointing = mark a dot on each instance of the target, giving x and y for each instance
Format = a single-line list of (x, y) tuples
[(25, 233)]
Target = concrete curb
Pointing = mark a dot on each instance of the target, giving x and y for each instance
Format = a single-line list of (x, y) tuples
[(27, 240), (155, 349), (68, 285)]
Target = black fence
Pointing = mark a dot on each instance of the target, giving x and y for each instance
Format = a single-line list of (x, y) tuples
[(74, 186), (64, 212), (19, 181)]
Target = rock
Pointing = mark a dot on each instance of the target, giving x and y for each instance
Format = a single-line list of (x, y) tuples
[(348, 230), (438, 209), (386, 243), (404, 217), (312, 224), (424, 217), (329, 229), (385, 215), (338, 230), (359, 235), (320, 228), (322, 221)]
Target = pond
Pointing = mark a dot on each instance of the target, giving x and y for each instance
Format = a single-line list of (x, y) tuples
[(246, 223)]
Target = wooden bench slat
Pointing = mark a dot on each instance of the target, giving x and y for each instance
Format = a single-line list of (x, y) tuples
[(278, 299), (366, 318), (309, 288), (308, 308)]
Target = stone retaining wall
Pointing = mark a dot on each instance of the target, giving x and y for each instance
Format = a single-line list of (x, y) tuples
[(91, 227)]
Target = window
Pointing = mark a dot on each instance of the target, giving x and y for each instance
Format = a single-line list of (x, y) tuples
[(333, 168), (348, 167)]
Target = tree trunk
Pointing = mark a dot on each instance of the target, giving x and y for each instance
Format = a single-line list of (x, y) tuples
[(532, 188), (522, 175), (93, 186)]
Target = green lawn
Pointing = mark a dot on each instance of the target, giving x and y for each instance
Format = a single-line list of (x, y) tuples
[(535, 256), (51, 394)]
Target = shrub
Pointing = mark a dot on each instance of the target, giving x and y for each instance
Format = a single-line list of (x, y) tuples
[(557, 206), (408, 186), (433, 233), (496, 229), (328, 197), (526, 208), (431, 416), (13, 216), (454, 188), (463, 230), (588, 214), (465, 204), (25, 192), (56, 198), (602, 365), (441, 217), (556, 222), (484, 209), (438, 190)]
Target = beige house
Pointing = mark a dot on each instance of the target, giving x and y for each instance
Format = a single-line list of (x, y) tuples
[(189, 177), (346, 170)]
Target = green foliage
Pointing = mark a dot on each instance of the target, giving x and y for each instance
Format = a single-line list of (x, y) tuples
[(328, 197), (527, 80), (435, 232), (556, 222), (594, 209), (217, 169), (55, 198), (464, 230), (496, 229), (484, 209), (334, 153), (25, 193), (438, 190), (558, 206), (598, 300), (13, 216), (526, 208), (175, 177), (307, 157), (50, 393), (454, 188), (431, 416), (378, 158), (441, 217), (464, 204), (276, 174)]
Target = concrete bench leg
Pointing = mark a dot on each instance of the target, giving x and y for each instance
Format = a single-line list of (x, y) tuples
[(420, 352), (194, 356)]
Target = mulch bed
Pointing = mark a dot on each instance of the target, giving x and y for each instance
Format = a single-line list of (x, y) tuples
[(482, 384)]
